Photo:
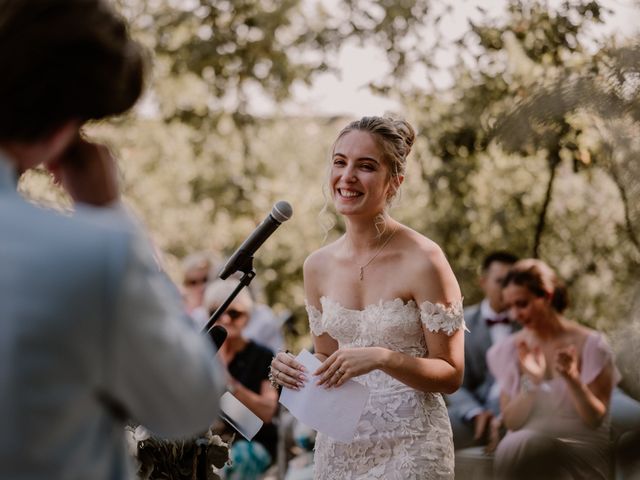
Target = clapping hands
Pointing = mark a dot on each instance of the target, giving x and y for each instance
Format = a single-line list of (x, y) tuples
[(567, 362), (532, 361)]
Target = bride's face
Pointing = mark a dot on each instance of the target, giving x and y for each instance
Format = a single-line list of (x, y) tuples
[(359, 178)]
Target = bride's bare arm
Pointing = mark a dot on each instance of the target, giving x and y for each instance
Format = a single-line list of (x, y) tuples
[(284, 368), (323, 344), (443, 369)]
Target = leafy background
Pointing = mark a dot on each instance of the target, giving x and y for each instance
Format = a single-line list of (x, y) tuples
[(531, 145)]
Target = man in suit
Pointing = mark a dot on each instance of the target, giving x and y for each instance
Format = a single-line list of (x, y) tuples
[(476, 403), (92, 332)]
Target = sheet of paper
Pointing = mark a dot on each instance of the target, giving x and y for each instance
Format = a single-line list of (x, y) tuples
[(334, 411), (234, 412)]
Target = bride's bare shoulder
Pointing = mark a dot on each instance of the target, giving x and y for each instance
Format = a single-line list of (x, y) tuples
[(427, 265), (320, 258), (424, 252), (315, 271)]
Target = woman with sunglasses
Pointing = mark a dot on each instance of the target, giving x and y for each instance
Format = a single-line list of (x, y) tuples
[(248, 367)]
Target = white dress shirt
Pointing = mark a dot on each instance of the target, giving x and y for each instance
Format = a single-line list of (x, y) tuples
[(498, 331)]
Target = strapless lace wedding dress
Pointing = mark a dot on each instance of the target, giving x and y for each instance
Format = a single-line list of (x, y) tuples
[(403, 434)]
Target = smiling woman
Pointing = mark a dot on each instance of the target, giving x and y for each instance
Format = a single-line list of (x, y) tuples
[(556, 379), (384, 309)]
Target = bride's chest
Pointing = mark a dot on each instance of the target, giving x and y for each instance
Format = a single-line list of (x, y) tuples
[(392, 322)]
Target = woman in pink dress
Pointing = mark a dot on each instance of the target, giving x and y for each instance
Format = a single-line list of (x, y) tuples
[(556, 378)]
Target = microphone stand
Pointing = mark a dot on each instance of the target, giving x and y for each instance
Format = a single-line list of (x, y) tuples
[(210, 328), (249, 274)]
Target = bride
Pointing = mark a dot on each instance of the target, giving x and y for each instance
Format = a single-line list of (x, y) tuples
[(385, 309)]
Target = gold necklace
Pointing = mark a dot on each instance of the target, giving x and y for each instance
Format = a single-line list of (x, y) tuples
[(362, 267)]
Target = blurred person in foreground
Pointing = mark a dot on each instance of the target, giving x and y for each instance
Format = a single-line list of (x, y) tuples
[(556, 377), (248, 379), (473, 408), (92, 333)]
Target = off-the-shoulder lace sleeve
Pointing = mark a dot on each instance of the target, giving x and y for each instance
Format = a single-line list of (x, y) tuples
[(438, 317), (315, 319)]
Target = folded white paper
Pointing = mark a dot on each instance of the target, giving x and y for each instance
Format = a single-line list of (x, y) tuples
[(332, 411), (239, 416)]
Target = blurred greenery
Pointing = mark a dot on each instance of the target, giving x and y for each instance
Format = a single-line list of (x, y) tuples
[(531, 146)]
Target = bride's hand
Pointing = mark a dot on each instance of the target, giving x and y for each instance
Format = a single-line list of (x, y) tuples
[(347, 363), (286, 371)]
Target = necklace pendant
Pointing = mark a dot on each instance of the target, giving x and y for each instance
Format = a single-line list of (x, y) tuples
[(361, 273)]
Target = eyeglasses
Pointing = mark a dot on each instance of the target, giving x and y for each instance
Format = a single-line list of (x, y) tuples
[(192, 282), (232, 312)]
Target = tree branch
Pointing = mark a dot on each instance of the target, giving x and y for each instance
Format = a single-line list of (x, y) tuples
[(625, 203), (553, 162)]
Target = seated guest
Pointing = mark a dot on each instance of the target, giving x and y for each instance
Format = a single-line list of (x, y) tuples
[(556, 377), (474, 407), (264, 327), (248, 367), (197, 272)]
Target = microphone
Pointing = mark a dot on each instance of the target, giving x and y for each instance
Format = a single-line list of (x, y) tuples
[(218, 335), (241, 259)]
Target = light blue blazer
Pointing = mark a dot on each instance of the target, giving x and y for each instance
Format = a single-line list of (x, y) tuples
[(91, 332)]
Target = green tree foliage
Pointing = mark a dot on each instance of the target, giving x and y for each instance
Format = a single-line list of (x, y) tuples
[(517, 151), (541, 190)]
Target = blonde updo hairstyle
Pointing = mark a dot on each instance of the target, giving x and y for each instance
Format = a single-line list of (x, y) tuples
[(394, 137)]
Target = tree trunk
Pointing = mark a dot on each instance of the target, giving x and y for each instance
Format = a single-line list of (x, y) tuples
[(553, 162)]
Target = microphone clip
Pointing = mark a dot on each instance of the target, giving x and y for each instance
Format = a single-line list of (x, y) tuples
[(241, 261), (244, 281)]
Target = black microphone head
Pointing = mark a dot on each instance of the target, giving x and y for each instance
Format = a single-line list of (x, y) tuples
[(282, 211)]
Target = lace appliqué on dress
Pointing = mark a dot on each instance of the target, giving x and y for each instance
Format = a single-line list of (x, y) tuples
[(438, 317), (315, 319)]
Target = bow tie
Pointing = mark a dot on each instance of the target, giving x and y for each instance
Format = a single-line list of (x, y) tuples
[(499, 319)]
